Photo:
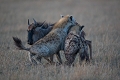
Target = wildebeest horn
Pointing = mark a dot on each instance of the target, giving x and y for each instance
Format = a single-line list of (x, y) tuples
[(42, 24), (34, 21), (28, 22)]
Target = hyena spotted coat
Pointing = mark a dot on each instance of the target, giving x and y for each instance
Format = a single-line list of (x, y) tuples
[(75, 42), (52, 43)]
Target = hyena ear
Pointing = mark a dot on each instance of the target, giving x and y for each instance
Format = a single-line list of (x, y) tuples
[(61, 16), (81, 27), (71, 17)]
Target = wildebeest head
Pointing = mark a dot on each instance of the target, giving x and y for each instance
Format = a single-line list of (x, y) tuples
[(31, 30), (38, 30)]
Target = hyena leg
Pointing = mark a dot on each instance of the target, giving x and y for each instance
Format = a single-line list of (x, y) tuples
[(70, 58), (31, 58), (59, 57), (51, 58), (39, 59), (90, 47), (87, 58), (80, 60), (82, 55), (35, 58), (30, 55), (86, 55), (48, 60)]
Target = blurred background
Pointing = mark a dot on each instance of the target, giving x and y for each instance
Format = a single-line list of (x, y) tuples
[(101, 19)]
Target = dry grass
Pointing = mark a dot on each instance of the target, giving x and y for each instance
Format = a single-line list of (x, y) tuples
[(102, 24)]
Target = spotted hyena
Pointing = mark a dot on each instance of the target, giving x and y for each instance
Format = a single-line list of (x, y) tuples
[(75, 43)]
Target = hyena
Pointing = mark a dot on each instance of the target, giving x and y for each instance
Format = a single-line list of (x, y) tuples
[(74, 43), (52, 43)]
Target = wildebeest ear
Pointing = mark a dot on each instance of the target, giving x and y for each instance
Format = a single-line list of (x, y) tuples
[(61, 16), (28, 22), (34, 21)]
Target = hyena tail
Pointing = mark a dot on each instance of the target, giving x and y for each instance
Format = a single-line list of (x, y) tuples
[(19, 44)]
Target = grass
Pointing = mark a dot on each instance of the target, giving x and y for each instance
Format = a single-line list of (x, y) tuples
[(100, 18)]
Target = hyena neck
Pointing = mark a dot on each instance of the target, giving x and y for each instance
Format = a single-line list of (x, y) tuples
[(63, 30), (67, 28), (75, 29)]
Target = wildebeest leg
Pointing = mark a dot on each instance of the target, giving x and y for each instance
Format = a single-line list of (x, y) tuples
[(59, 57), (90, 47)]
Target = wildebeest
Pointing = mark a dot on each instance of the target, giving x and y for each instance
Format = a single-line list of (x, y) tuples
[(36, 31), (75, 42), (52, 43)]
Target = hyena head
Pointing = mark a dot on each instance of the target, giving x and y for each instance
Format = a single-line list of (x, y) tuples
[(31, 30), (65, 23), (77, 28)]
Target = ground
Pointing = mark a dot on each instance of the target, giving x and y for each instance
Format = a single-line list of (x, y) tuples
[(101, 19)]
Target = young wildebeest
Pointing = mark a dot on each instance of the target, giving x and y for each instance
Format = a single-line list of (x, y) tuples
[(74, 43), (52, 43)]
